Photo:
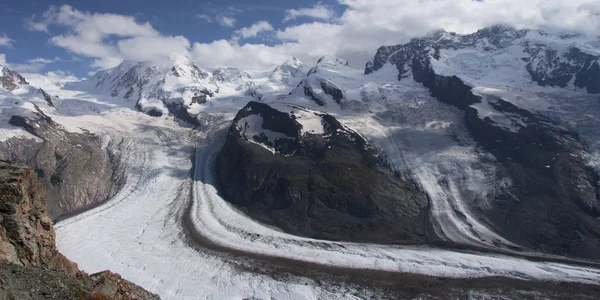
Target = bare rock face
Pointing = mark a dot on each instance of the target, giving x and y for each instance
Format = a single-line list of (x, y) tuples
[(554, 203), (30, 265), (308, 174), (78, 171), (26, 232)]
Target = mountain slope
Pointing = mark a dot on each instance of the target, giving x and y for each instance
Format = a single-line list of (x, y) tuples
[(309, 174), (79, 168), (522, 92)]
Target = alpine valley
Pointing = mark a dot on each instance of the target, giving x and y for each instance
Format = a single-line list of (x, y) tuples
[(449, 167)]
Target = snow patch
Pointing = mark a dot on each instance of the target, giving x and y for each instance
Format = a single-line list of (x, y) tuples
[(251, 129)]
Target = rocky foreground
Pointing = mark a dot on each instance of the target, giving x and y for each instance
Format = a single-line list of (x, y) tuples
[(30, 265)]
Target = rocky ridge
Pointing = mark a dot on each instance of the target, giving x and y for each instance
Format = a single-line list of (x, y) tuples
[(32, 268), (80, 169)]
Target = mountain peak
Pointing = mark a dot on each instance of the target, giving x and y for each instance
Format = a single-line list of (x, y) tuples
[(332, 61), (293, 61), (289, 72), (11, 80), (230, 74)]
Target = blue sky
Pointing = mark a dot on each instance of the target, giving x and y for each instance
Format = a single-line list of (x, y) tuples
[(175, 17), (79, 37)]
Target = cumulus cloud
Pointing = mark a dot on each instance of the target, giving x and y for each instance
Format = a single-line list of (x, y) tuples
[(318, 11), (43, 60), (88, 34), (157, 48), (253, 31), (247, 56), (354, 33), (50, 81), (204, 17), (31, 65), (27, 67), (6, 41), (226, 21)]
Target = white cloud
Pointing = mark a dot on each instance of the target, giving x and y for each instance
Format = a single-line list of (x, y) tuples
[(2, 59), (226, 21), (253, 31), (318, 11), (27, 67), (157, 49), (104, 37), (42, 60), (6, 41), (205, 18), (247, 56), (31, 65), (51, 80), (36, 26), (356, 33)]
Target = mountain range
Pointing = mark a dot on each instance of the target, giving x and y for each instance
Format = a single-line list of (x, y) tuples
[(488, 142)]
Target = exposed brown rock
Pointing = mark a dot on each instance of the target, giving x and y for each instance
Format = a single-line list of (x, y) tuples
[(77, 170), (30, 265)]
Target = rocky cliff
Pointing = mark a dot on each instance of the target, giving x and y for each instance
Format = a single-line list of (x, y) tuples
[(31, 266), (77, 170)]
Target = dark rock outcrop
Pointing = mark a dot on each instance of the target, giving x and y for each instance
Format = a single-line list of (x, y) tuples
[(30, 265), (328, 185), (450, 90), (589, 77), (78, 171), (554, 203)]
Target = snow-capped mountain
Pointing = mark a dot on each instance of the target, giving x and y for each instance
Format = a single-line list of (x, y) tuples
[(499, 54), (512, 100), (182, 87), (304, 171), (152, 89), (290, 72), (11, 80), (18, 98), (319, 85)]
